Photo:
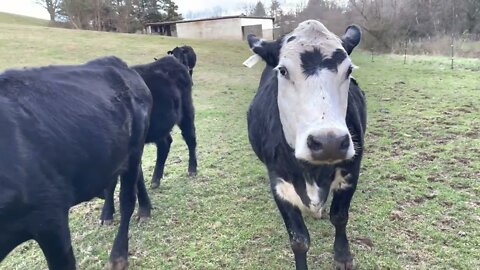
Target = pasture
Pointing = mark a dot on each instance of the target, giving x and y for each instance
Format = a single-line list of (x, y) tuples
[(417, 204)]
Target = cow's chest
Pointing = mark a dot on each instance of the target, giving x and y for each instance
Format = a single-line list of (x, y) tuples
[(310, 194)]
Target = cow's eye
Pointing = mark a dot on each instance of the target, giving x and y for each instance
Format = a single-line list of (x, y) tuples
[(349, 71), (283, 71)]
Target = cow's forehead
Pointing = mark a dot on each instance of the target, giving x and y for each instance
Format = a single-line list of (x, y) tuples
[(312, 37)]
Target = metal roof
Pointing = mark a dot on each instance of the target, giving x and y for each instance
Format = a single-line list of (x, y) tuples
[(211, 19)]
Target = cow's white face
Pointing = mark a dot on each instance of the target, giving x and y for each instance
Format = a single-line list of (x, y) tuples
[(313, 71)]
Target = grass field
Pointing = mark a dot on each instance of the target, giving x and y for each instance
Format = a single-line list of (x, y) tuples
[(417, 205)]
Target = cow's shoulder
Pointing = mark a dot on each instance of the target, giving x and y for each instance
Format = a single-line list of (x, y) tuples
[(111, 61), (167, 67)]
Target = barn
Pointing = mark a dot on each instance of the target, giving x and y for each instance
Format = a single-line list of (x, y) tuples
[(227, 27)]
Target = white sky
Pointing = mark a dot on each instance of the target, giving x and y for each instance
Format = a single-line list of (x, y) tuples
[(24, 7), (229, 7)]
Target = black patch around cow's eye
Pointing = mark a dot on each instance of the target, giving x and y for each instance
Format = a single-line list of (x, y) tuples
[(349, 71)]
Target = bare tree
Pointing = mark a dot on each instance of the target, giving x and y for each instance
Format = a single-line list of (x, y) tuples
[(378, 18), (246, 8), (471, 9), (52, 6), (275, 9)]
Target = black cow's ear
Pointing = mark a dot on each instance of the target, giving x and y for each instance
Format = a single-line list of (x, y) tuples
[(169, 52), (351, 38), (268, 50)]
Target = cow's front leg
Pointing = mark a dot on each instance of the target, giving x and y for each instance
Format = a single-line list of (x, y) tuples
[(297, 231), (339, 218)]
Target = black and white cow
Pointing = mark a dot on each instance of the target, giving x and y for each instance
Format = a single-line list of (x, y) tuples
[(67, 132), (307, 124), (171, 89), (186, 55)]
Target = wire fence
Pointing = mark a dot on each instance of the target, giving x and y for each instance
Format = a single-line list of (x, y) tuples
[(458, 50)]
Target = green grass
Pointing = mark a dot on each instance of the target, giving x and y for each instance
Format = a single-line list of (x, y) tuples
[(8, 18), (417, 203)]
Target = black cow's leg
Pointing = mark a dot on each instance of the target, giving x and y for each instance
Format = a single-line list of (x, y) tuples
[(339, 218), (119, 253), (54, 240), (297, 231), (144, 204), (187, 125), (106, 218), (9, 240), (163, 148)]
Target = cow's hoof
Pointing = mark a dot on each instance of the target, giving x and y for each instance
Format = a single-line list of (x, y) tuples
[(143, 220), (325, 214), (143, 215), (106, 222), (320, 214), (154, 185), (192, 174), (349, 265), (118, 264)]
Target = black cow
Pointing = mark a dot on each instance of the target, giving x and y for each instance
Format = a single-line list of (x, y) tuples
[(307, 124), (186, 55), (171, 89), (67, 133)]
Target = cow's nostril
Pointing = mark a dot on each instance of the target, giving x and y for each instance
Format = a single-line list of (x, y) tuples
[(345, 144), (314, 144)]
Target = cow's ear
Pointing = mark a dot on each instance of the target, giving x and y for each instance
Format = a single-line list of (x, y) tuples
[(268, 50), (169, 52), (351, 38)]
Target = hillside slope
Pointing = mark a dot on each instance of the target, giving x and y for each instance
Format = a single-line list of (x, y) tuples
[(9, 18)]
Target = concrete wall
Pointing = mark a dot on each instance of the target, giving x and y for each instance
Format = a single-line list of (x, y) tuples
[(267, 25), (252, 29), (213, 29), (222, 29)]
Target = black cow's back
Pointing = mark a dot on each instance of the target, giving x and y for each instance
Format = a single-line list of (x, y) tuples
[(171, 89), (57, 125)]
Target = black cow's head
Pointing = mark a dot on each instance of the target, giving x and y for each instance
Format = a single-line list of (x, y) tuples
[(181, 55), (313, 74)]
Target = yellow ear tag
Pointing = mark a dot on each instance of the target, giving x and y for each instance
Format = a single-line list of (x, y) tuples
[(252, 60)]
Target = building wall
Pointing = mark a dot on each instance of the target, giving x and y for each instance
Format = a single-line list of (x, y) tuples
[(214, 29), (267, 25)]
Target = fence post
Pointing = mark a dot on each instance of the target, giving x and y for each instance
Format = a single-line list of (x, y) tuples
[(371, 49), (453, 28), (405, 56), (452, 52)]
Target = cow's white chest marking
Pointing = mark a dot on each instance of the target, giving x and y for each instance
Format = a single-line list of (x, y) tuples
[(286, 191)]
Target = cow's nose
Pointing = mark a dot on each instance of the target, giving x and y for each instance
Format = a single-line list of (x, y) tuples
[(314, 143), (328, 147)]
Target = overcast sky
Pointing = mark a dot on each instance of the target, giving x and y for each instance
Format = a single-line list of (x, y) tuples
[(196, 8)]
